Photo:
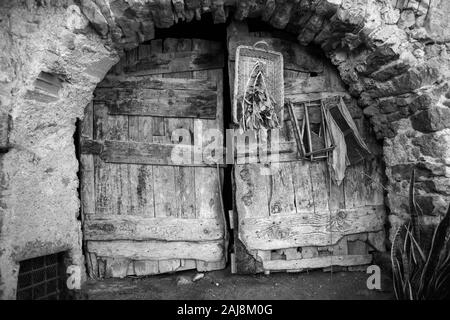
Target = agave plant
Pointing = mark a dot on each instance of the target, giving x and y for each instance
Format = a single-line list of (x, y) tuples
[(420, 274)]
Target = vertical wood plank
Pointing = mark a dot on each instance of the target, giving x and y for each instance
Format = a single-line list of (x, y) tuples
[(87, 183), (319, 185), (302, 186), (251, 191), (140, 177), (281, 190), (145, 129), (354, 186), (164, 192), (145, 267), (111, 188), (373, 183), (163, 176), (207, 192)]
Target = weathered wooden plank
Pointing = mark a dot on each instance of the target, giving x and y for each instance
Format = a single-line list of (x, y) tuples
[(158, 250), (203, 266), (216, 175), (131, 82), (169, 62), (165, 103), (87, 184), (207, 193), (111, 188), (133, 128), (166, 204), (314, 96), (337, 197), (146, 129), (141, 189), (281, 190), (251, 193), (340, 248), (158, 132), (319, 184), (377, 240), (286, 231), (140, 176), (184, 176), (111, 180), (170, 197), (109, 127), (354, 187), (117, 267), (87, 125), (87, 181), (145, 267), (90, 147), (101, 267), (92, 265), (295, 56), (309, 252), (309, 85), (174, 265), (373, 182), (123, 227), (357, 247), (170, 265), (133, 152), (231, 76), (293, 253), (318, 262), (302, 186)]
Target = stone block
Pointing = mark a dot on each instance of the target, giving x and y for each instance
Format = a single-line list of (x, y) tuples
[(431, 120)]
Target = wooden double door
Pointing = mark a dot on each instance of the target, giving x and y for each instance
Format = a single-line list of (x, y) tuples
[(145, 213)]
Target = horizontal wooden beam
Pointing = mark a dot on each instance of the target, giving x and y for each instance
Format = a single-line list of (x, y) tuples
[(144, 228), (318, 262), (132, 152), (131, 82), (160, 63), (165, 97), (88, 146), (158, 250), (202, 105), (308, 228)]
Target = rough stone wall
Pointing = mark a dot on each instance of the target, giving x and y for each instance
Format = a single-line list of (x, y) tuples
[(395, 62), (39, 199)]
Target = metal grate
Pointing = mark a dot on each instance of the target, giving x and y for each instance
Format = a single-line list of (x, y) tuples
[(42, 278)]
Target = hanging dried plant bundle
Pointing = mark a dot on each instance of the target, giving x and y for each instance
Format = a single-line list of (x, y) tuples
[(257, 105)]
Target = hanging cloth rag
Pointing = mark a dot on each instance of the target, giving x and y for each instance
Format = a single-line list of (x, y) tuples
[(338, 161)]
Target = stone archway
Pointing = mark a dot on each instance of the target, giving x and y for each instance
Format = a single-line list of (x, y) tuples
[(394, 60)]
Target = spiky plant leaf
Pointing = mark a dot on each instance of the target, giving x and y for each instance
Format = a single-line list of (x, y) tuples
[(438, 245), (413, 208)]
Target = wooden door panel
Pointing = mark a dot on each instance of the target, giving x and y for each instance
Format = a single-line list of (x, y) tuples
[(149, 214), (297, 219)]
